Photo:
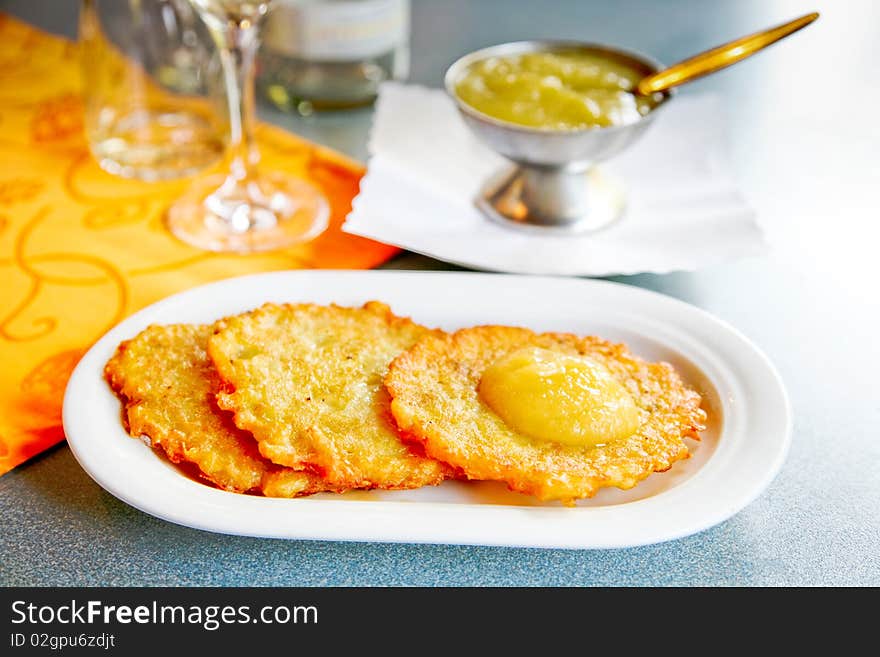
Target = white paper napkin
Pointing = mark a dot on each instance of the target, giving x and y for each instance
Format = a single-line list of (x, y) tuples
[(426, 167)]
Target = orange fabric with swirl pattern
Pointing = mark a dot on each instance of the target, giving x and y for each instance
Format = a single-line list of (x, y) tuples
[(81, 249)]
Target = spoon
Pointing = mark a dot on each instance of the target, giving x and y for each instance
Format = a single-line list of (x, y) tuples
[(721, 57)]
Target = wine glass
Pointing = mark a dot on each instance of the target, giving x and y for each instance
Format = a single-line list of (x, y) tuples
[(244, 210)]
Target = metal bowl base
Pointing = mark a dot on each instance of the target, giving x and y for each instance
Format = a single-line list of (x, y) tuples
[(553, 200)]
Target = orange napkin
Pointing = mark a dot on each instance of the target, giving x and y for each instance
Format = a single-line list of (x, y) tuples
[(81, 249)]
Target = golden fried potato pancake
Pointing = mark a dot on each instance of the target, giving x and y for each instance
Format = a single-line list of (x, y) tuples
[(306, 381), (434, 390), (167, 383)]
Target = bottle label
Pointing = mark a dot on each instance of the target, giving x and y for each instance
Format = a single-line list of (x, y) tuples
[(338, 30)]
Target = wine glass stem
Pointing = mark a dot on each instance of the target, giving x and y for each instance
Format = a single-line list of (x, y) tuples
[(238, 45)]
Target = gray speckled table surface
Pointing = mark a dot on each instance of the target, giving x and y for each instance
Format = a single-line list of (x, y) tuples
[(804, 144)]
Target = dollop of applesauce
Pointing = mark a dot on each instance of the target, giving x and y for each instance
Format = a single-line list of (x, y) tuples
[(551, 396), (556, 90)]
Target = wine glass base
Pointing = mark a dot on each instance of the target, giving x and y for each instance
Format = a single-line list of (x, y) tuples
[(271, 212)]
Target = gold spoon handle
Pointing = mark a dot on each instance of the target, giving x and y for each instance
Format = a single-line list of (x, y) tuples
[(721, 57)]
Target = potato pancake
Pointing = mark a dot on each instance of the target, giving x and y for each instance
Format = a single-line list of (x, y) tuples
[(167, 384), (306, 381), (435, 398)]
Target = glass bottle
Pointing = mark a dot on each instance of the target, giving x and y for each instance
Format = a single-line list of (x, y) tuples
[(332, 54)]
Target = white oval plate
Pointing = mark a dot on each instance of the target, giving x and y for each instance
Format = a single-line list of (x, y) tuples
[(740, 453)]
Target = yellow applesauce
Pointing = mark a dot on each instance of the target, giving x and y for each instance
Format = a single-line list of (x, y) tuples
[(565, 90), (551, 396)]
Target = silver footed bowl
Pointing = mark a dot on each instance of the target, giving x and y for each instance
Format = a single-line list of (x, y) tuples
[(554, 183)]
